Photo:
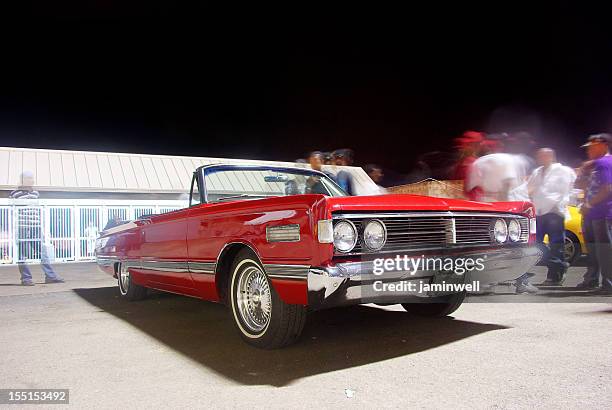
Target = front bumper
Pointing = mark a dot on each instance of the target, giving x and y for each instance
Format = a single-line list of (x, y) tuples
[(355, 282)]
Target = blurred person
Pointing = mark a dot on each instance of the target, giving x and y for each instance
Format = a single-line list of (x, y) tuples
[(328, 158), (500, 177), (549, 187), (493, 177), (468, 148), (314, 184), (376, 174), (316, 159), (597, 212), (344, 157), (91, 233), (30, 233)]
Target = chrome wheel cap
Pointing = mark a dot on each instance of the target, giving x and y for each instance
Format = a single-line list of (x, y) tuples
[(124, 280), (254, 300)]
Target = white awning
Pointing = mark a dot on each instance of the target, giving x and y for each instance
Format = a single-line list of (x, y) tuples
[(59, 170)]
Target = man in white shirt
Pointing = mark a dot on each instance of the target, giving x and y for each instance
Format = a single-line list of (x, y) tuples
[(549, 188), (493, 177)]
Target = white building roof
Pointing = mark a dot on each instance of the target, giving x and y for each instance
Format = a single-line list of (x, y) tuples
[(86, 171)]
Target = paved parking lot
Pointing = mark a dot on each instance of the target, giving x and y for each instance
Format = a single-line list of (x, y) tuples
[(181, 352)]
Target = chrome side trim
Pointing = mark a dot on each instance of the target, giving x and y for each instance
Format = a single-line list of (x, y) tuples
[(164, 266), (278, 271), (202, 267)]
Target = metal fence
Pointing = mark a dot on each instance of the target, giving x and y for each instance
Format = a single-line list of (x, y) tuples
[(65, 230)]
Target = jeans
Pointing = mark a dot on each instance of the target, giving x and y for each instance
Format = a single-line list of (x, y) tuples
[(602, 235), (552, 225), (32, 247)]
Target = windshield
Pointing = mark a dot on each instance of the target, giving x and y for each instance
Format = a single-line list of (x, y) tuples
[(226, 184)]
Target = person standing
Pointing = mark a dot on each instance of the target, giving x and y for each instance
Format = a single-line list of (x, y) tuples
[(493, 177), (597, 211), (30, 232), (344, 157), (314, 184), (316, 159), (549, 188)]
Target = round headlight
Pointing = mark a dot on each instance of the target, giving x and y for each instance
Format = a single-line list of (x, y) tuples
[(500, 231), (374, 235), (514, 230), (345, 236)]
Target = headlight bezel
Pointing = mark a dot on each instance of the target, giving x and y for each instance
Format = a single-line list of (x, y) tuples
[(355, 235), (517, 238), (384, 232), (504, 224)]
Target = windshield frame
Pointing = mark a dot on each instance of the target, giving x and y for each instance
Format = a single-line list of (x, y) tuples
[(205, 170)]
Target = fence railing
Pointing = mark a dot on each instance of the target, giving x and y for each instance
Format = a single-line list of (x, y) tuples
[(65, 229)]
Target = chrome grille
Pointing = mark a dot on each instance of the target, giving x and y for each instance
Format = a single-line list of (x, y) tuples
[(474, 230), (414, 231)]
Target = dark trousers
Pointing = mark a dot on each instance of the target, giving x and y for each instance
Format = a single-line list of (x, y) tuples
[(592, 273), (598, 234), (552, 225)]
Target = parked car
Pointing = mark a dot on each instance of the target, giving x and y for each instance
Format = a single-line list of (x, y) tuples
[(273, 243)]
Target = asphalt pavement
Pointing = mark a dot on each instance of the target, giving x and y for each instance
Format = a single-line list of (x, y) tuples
[(550, 350)]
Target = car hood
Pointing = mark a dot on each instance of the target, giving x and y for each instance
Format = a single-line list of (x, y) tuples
[(405, 202)]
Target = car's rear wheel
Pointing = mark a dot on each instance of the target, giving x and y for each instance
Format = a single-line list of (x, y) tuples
[(571, 247), (258, 313), (436, 307), (127, 288)]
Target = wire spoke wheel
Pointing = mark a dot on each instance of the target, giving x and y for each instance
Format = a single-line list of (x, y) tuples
[(254, 299)]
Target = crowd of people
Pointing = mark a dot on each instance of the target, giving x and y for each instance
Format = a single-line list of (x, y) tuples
[(500, 169)]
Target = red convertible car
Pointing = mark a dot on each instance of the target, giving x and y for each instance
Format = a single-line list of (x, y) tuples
[(273, 243)]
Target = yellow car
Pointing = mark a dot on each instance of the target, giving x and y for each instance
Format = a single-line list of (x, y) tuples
[(574, 240)]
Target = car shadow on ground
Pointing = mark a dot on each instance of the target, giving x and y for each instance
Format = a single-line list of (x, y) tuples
[(332, 339)]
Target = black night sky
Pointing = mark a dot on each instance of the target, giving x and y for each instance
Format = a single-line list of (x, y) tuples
[(276, 83)]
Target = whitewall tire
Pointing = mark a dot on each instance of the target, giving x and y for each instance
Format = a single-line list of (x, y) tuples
[(260, 316)]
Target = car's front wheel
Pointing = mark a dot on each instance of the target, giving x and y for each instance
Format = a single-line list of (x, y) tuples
[(436, 307), (127, 288), (259, 314)]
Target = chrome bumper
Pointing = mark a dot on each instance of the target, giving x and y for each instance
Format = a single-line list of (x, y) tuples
[(355, 283)]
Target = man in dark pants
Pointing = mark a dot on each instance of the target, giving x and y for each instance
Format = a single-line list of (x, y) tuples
[(597, 212), (549, 188)]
